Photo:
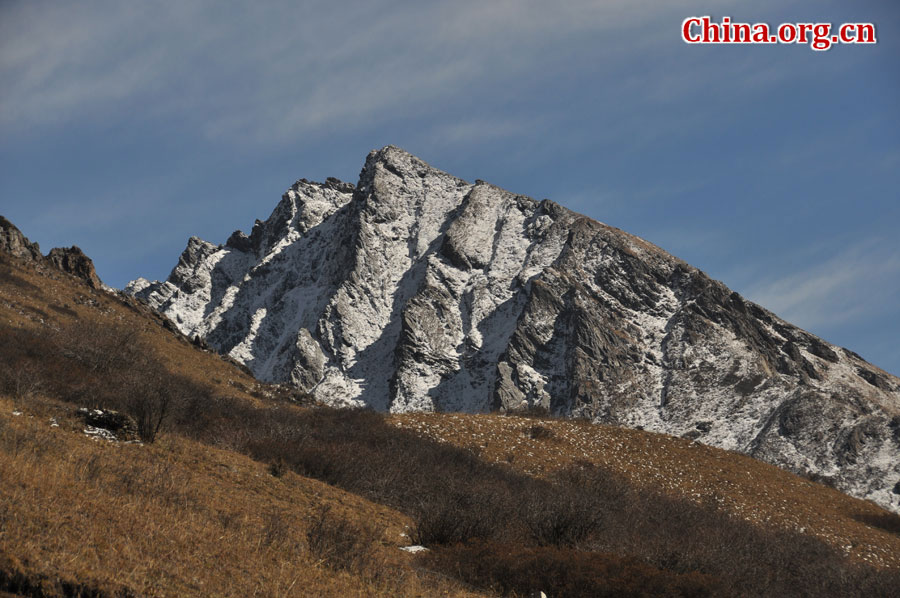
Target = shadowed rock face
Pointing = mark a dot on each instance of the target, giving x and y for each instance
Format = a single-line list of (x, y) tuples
[(71, 260), (13, 241), (415, 290), (75, 262)]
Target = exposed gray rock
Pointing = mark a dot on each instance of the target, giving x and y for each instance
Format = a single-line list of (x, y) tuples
[(415, 290), (309, 362)]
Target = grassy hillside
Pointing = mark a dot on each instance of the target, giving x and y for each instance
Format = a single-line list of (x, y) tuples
[(239, 488), (41, 298), (181, 516)]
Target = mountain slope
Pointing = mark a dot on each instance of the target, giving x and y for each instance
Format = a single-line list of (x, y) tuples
[(191, 514), (416, 290), (745, 488)]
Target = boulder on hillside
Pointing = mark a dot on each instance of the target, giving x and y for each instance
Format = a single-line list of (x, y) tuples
[(121, 426)]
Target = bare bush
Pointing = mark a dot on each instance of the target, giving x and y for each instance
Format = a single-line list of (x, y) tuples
[(22, 352), (277, 468), (561, 515), (343, 545), (148, 397), (453, 516), (889, 522), (26, 381)]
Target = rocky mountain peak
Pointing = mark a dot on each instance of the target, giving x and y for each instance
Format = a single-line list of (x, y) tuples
[(71, 260), (416, 290)]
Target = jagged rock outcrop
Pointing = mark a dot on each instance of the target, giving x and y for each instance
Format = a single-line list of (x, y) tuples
[(415, 290), (71, 260), (13, 241), (75, 262)]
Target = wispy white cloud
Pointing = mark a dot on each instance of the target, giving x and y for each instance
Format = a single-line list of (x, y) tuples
[(861, 281), (275, 71), (481, 130)]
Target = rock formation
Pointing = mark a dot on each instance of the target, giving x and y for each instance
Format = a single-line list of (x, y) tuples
[(14, 242), (75, 262), (71, 260)]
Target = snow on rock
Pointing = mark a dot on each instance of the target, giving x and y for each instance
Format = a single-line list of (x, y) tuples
[(100, 434), (416, 290)]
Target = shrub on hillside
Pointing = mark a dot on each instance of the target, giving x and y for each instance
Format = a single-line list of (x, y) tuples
[(561, 515), (150, 403), (452, 515), (22, 354), (341, 544)]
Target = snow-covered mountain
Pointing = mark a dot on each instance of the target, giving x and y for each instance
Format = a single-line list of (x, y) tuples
[(416, 290)]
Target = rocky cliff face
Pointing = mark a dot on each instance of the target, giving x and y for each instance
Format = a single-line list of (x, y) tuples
[(75, 262), (415, 290), (71, 260), (14, 242)]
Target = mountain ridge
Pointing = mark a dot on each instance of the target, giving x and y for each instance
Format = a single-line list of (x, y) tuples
[(71, 260), (416, 290)]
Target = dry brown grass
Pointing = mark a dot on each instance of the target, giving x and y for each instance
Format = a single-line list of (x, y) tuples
[(179, 518), (44, 298), (740, 485)]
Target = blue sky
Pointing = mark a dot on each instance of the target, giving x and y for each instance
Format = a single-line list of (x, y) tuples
[(127, 127)]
